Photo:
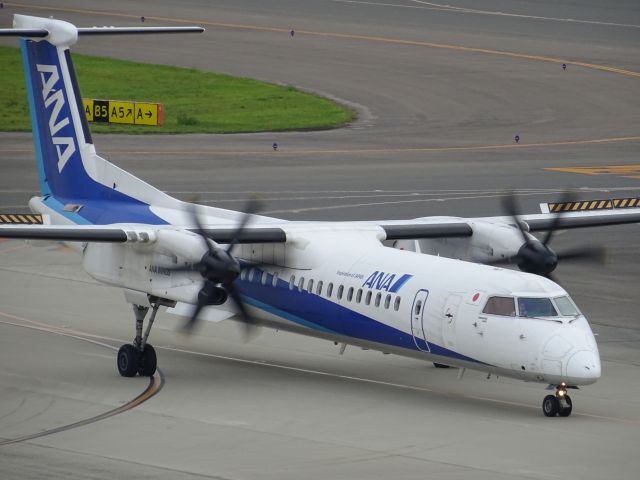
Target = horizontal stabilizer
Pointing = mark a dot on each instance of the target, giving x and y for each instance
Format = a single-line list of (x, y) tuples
[(43, 32), (136, 30), (24, 32)]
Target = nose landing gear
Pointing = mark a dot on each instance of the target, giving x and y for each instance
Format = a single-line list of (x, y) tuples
[(559, 404)]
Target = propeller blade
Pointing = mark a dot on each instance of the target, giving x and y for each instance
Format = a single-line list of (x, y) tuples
[(194, 267), (253, 206), (193, 211), (589, 254), (248, 322), (510, 206), (204, 295), (566, 197), (502, 261), (191, 323)]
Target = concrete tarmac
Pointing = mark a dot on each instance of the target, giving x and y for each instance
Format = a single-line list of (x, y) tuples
[(434, 136)]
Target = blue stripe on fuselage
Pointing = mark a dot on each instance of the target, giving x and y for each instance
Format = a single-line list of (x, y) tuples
[(316, 312)]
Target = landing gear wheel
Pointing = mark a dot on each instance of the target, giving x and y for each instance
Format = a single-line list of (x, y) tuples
[(550, 406), (128, 361), (148, 361), (440, 365), (565, 406)]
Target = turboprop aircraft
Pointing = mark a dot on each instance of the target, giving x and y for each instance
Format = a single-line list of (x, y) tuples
[(419, 288)]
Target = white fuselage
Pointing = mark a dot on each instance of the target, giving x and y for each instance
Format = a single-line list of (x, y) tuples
[(349, 288)]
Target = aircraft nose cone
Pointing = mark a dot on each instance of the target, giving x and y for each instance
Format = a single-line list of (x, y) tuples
[(584, 367)]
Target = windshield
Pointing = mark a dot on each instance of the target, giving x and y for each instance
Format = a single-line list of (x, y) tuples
[(536, 307), (566, 307)]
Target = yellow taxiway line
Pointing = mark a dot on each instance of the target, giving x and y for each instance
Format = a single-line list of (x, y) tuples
[(349, 36)]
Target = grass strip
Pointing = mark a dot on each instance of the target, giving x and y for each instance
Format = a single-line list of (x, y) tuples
[(193, 101)]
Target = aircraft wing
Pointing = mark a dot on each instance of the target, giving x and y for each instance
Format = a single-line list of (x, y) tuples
[(72, 233), (581, 214), (134, 233), (576, 214), (545, 221)]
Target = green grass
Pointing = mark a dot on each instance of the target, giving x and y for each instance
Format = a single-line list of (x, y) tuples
[(193, 101)]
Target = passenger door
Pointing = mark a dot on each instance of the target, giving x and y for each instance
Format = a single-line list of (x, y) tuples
[(417, 320)]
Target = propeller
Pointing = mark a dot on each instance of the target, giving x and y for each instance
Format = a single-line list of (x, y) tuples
[(536, 256), (220, 269)]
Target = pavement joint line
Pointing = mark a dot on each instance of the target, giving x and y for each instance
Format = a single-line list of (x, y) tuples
[(348, 36), (156, 382)]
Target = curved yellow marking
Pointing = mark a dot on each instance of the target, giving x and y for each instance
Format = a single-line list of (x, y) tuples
[(370, 38), (156, 382)]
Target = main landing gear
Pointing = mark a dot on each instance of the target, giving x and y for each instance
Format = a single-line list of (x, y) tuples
[(139, 358), (559, 404)]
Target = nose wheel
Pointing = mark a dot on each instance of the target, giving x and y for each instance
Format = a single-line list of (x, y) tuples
[(559, 404)]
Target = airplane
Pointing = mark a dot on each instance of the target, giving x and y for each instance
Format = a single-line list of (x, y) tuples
[(430, 288)]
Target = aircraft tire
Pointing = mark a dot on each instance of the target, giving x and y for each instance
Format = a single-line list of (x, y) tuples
[(148, 361), (127, 361), (550, 406), (565, 410)]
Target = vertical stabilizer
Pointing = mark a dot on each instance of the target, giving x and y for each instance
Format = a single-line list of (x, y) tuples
[(75, 182), (60, 130)]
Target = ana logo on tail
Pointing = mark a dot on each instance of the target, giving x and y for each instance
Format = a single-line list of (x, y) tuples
[(65, 146)]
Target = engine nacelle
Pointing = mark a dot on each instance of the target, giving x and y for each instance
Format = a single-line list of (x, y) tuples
[(492, 240), (149, 267)]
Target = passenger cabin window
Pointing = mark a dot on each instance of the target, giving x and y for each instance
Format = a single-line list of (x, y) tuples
[(396, 304), (274, 280), (417, 308), (243, 274), (504, 306), (359, 296), (292, 282), (340, 290), (367, 298), (378, 298), (350, 294), (251, 273), (566, 307), (330, 290), (310, 286), (319, 288), (301, 284), (387, 301), (265, 277), (536, 307)]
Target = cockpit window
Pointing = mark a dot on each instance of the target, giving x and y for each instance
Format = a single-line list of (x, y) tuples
[(536, 307), (566, 307), (500, 306)]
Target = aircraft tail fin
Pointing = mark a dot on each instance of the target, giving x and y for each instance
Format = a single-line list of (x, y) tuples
[(70, 171), (60, 130)]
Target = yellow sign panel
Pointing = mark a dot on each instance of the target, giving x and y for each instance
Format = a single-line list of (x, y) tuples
[(121, 112), (148, 114), (88, 109), (114, 111)]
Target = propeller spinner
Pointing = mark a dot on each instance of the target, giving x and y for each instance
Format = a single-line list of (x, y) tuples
[(220, 269), (536, 256)]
